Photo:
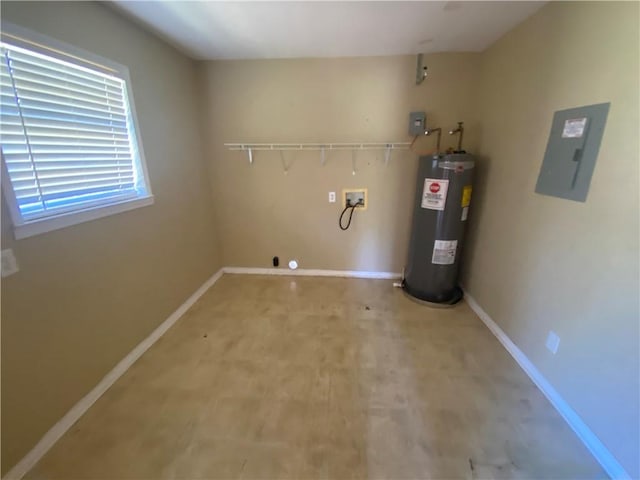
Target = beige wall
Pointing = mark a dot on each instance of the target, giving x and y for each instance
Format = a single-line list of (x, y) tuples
[(87, 294), (538, 263), (267, 213)]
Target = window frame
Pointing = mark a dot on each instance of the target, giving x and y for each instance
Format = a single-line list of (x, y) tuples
[(44, 45)]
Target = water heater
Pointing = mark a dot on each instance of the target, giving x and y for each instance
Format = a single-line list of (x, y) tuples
[(441, 208)]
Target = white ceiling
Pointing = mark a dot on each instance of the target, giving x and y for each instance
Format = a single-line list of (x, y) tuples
[(225, 30)]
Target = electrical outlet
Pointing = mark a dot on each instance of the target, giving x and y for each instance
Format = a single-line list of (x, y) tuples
[(355, 196), (553, 342), (332, 197), (9, 263)]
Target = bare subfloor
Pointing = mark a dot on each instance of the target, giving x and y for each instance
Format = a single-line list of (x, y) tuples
[(301, 378)]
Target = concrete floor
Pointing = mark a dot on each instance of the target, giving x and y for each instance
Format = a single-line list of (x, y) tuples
[(301, 378)]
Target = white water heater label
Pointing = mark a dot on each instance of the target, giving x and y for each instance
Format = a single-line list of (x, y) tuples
[(465, 214), (444, 252), (434, 193)]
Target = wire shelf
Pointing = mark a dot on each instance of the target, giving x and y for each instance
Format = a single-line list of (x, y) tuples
[(319, 146), (322, 147)]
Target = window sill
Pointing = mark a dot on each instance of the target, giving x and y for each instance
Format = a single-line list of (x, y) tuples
[(73, 218)]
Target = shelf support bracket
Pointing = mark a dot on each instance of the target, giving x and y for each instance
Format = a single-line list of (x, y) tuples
[(250, 155), (353, 161), (387, 154)]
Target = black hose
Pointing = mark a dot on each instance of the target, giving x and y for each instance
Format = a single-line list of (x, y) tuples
[(352, 207)]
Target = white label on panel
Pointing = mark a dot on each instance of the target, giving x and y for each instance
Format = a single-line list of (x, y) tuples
[(574, 127), (444, 252), (465, 213), (434, 193)]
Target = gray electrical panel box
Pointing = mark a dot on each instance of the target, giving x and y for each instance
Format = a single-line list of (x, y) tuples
[(417, 122), (572, 151)]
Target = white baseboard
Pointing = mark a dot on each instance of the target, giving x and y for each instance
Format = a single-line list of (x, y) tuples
[(72, 416), (584, 433), (313, 273)]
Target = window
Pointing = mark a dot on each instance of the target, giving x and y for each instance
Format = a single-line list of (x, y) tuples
[(70, 152)]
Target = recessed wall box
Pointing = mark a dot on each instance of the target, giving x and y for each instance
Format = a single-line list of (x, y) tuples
[(355, 196)]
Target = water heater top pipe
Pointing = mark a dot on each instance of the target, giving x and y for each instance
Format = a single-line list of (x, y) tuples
[(459, 130), (429, 131)]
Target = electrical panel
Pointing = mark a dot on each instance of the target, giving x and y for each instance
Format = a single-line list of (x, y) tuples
[(571, 153), (417, 122)]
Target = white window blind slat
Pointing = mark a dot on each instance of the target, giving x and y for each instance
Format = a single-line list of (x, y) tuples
[(70, 174), (47, 178), (57, 111), (51, 152), (68, 96), (56, 144), (44, 116), (40, 100), (31, 77), (29, 193), (57, 85), (62, 91), (13, 137), (6, 90), (43, 65), (80, 160), (27, 180), (67, 135), (34, 81), (55, 191), (19, 160), (25, 172), (12, 123), (58, 135)]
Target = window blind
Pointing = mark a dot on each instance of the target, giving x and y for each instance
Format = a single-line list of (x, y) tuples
[(66, 134)]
